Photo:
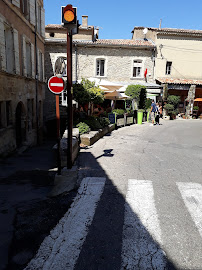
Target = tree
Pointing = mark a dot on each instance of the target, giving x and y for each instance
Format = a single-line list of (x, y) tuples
[(88, 92), (138, 93)]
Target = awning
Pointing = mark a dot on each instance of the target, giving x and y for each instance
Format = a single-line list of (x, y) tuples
[(198, 99), (153, 91), (151, 95)]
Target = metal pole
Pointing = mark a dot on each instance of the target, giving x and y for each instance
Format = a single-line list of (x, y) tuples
[(69, 99), (58, 133)]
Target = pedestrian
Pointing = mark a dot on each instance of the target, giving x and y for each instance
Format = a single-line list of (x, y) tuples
[(157, 113), (153, 110), (160, 110)]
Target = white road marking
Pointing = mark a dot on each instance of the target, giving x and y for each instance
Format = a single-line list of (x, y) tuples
[(192, 197), (61, 249), (141, 232), (57, 84)]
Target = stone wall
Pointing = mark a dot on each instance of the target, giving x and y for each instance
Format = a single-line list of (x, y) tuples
[(17, 89), (119, 66)]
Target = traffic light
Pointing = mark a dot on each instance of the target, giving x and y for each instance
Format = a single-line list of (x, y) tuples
[(69, 17)]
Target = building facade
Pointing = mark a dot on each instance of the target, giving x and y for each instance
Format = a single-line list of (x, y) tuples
[(22, 32), (120, 62), (177, 61)]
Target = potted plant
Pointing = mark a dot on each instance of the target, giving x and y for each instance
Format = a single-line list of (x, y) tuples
[(120, 120), (140, 116)]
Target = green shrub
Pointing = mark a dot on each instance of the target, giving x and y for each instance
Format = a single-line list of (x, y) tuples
[(169, 108), (104, 122), (93, 123), (195, 108), (148, 103), (141, 110), (174, 100), (83, 128), (118, 111)]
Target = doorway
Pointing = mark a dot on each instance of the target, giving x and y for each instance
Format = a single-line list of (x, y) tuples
[(20, 124)]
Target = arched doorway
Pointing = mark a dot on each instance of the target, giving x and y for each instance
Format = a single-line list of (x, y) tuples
[(20, 124)]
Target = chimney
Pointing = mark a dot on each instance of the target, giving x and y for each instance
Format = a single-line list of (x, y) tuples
[(84, 21)]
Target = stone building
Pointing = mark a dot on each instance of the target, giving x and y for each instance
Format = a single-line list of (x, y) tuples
[(120, 62), (22, 32), (177, 61)]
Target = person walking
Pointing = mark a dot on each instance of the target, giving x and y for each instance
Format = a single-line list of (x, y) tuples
[(153, 110), (157, 115)]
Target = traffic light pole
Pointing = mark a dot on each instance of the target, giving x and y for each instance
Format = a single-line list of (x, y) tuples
[(69, 99)]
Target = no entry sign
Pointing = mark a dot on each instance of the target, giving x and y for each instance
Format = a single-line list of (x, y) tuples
[(56, 85)]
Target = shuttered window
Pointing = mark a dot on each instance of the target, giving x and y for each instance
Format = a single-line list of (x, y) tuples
[(9, 48)]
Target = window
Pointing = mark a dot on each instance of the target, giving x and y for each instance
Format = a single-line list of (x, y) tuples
[(28, 59), (100, 67), (9, 49), (40, 63), (168, 68), (39, 19), (137, 68), (24, 5)]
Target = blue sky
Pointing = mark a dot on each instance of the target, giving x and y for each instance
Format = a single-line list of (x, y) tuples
[(116, 20)]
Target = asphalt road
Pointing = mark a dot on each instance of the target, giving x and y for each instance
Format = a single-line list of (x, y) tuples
[(139, 205)]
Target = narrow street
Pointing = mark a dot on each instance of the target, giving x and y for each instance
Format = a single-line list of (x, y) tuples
[(139, 205)]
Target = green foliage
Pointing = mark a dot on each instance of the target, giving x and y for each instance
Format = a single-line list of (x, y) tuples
[(148, 103), (86, 91), (174, 100), (141, 110), (134, 90), (93, 123), (118, 111), (195, 108), (169, 107), (143, 98), (81, 95), (104, 121), (83, 128)]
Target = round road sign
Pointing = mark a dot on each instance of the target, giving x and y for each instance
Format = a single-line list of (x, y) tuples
[(56, 85)]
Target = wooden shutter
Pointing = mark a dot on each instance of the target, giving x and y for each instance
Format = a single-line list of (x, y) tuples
[(32, 12), (24, 56), (43, 67), (33, 61), (43, 22), (16, 51), (2, 45), (39, 66), (16, 3)]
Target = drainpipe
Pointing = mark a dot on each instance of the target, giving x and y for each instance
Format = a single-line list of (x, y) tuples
[(36, 74)]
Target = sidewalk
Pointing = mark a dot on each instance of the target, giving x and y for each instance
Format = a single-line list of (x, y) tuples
[(26, 212)]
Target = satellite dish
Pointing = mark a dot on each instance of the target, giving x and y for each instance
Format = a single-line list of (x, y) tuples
[(145, 31)]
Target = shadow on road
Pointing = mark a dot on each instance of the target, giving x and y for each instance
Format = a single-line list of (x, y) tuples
[(103, 246)]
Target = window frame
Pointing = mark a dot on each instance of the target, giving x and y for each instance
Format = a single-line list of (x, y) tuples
[(10, 54), (168, 68), (98, 72), (137, 63)]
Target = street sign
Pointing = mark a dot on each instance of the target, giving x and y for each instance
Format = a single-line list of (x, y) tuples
[(56, 85)]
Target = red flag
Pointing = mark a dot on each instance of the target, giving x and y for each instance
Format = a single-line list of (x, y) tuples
[(145, 73)]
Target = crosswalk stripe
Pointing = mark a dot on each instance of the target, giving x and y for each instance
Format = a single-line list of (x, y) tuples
[(61, 249), (141, 231), (192, 197)]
